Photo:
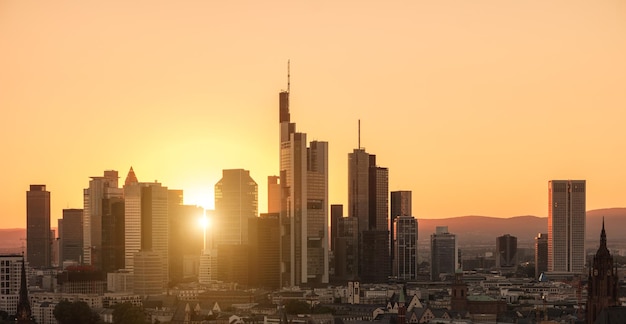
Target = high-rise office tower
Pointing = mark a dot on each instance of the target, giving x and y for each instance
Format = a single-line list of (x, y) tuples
[(443, 253), (71, 236), (541, 254), (506, 252), (264, 251), (566, 225), (400, 206), (146, 224), (405, 244), (336, 213), (38, 239), (347, 249), (368, 192), (112, 234), (236, 201), (185, 236), (304, 204), (273, 194), (100, 188)]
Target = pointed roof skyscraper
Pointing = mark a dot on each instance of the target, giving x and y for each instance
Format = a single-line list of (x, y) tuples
[(131, 177)]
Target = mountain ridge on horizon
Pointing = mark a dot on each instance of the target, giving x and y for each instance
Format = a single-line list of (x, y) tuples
[(476, 229)]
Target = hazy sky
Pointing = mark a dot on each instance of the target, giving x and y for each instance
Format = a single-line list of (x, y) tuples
[(472, 105)]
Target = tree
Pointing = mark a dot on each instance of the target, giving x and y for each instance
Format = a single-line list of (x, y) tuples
[(67, 312), (127, 313)]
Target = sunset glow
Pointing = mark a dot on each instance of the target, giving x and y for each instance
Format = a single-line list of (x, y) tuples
[(473, 106)]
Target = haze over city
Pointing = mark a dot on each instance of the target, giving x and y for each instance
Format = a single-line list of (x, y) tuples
[(473, 106)]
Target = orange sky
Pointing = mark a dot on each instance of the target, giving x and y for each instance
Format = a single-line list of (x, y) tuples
[(472, 105)]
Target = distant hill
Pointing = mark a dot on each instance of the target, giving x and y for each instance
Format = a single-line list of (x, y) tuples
[(12, 239), (469, 229), (484, 229)]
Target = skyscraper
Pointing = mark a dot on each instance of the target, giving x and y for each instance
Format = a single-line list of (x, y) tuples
[(71, 236), (185, 237), (566, 225), (541, 254), (304, 203), (236, 201), (400, 206), (443, 253), (146, 225), (368, 192), (405, 243), (506, 252), (100, 188), (273, 194), (38, 239)]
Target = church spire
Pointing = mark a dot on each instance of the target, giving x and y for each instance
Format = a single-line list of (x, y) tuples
[(23, 314)]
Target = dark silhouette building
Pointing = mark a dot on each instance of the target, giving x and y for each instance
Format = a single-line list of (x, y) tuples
[(506, 252), (347, 250), (444, 253), (71, 236), (368, 191), (401, 205), (264, 251), (24, 314), (185, 237), (541, 254), (336, 213), (38, 239), (112, 234), (603, 283)]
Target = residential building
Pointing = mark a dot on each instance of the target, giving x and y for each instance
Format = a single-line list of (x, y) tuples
[(10, 279)]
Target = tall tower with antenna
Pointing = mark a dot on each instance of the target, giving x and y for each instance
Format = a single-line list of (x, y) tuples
[(304, 202), (368, 191)]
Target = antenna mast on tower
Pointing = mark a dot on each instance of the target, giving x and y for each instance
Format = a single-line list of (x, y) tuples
[(359, 137), (288, 76)]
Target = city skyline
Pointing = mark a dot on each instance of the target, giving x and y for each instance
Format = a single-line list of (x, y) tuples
[(446, 99)]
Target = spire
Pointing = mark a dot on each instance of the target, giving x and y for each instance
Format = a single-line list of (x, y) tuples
[(603, 249), (131, 177), (23, 314), (603, 234)]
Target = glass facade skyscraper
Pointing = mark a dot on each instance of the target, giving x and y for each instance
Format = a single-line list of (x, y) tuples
[(566, 225)]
